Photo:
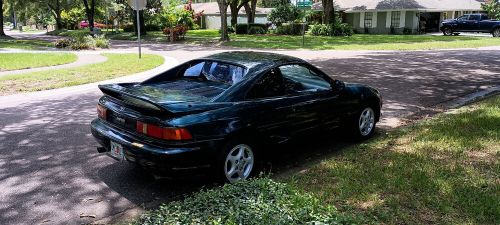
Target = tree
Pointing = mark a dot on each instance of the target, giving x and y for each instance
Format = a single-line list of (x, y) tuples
[(250, 10), (328, 12), (1, 19), (56, 9), (493, 8), (223, 4), (90, 11)]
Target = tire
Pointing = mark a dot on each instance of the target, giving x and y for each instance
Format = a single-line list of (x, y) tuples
[(363, 124), (447, 31), (496, 32), (236, 162)]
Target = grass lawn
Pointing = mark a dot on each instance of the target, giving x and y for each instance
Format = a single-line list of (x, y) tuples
[(117, 65), (355, 42), (444, 170), (25, 44), (16, 61)]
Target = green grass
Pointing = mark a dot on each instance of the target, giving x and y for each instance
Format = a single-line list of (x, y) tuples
[(117, 65), (355, 42), (25, 44), (444, 170), (16, 61)]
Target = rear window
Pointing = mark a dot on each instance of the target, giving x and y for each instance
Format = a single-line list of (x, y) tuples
[(216, 72)]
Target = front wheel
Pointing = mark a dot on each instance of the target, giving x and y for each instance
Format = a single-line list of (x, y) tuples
[(237, 162), (363, 125), (447, 31), (496, 32)]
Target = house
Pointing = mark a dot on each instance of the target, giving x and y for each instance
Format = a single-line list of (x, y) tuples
[(211, 15), (398, 16)]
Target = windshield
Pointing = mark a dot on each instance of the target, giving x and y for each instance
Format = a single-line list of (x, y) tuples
[(216, 71)]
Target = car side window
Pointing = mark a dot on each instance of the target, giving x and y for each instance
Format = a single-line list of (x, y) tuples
[(269, 85), (463, 18), (298, 78), (474, 17)]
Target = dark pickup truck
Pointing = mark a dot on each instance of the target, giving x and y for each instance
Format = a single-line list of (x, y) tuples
[(471, 23)]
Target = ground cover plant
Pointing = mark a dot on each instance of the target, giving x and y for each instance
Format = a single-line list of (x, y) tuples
[(256, 201)]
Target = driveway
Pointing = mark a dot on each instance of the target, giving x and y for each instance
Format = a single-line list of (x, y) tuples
[(50, 172)]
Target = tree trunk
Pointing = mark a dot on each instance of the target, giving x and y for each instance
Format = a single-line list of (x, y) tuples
[(328, 12), (250, 10), (56, 12), (224, 36), (141, 23), (90, 11), (1, 19), (233, 6)]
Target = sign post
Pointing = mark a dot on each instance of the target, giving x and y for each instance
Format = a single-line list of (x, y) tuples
[(304, 4), (138, 5)]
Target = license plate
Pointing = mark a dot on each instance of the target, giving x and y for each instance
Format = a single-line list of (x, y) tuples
[(117, 151)]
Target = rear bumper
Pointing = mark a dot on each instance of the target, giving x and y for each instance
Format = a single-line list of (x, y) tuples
[(172, 159)]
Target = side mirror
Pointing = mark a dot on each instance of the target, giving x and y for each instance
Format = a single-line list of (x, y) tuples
[(337, 86)]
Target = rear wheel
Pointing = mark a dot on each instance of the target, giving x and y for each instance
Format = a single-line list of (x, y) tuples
[(447, 31), (496, 32), (237, 162)]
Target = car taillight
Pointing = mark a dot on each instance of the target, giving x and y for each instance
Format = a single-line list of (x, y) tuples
[(166, 133), (102, 112)]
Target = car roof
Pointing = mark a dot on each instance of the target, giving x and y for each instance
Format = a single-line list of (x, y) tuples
[(253, 60)]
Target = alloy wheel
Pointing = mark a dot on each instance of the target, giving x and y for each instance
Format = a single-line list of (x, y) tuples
[(239, 163), (366, 121), (496, 32), (447, 31)]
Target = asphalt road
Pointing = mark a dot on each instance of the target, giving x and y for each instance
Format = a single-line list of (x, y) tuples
[(50, 172)]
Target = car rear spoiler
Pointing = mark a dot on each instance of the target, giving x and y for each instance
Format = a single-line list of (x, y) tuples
[(118, 91)]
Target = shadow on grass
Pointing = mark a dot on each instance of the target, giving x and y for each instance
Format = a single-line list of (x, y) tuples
[(441, 171)]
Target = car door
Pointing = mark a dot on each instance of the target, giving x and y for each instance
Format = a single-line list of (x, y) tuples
[(269, 109), (473, 23), (462, 23), (317, 105)]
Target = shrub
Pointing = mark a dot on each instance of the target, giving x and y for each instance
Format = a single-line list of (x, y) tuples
[(290, 29), (340, 29), (407, 31), (256, 201), (320, 30), (128, 27), (85, 42), (178, 31), (101, 41), (256, 30), (251, 28), (62, 43), (284, 14)]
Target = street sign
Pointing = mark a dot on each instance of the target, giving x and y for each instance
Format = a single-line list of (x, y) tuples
[(304, 4), (137, 4)]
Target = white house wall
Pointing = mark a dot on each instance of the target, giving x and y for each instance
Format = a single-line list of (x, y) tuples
[(213, 22)]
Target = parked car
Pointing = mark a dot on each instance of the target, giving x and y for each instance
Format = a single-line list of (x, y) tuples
[(85, 24), (220, 111), (471, 23)]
